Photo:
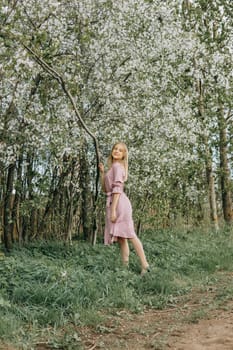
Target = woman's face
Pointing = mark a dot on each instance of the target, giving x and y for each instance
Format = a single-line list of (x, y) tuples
[(118, 152)]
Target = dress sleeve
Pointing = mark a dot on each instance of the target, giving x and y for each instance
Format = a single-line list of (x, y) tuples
[(118, 178)]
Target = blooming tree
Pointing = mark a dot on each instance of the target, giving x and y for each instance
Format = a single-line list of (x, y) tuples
[(136, 71)]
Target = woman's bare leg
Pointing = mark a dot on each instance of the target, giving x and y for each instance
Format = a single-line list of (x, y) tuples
[(124, 250), (137, 244)]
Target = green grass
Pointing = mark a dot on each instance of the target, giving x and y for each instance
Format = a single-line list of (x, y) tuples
[(47, 286)]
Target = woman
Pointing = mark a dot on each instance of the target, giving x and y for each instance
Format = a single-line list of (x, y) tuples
[(119, 226)]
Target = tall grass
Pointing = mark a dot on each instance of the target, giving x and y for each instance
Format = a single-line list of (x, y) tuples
[(48, 285)]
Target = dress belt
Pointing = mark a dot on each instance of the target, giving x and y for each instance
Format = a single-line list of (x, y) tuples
[(109, 198)]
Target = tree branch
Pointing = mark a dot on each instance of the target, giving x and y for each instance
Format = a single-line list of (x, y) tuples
[(52, 72), (62, 83)]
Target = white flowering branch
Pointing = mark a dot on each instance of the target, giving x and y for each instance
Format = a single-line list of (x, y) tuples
[(52, 72), (61, 81)]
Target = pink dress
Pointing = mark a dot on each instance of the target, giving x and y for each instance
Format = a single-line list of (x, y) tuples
[(124, 226)]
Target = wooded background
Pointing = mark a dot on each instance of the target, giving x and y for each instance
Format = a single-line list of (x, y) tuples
[(154, 74)]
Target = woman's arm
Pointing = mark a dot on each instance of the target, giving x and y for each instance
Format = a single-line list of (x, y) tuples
[(117, 188), (115, 199)]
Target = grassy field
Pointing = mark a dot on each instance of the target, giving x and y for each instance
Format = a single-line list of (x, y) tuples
[(47, 286)]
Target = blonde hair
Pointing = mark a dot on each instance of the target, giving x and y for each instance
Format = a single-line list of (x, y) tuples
[(124, 160)]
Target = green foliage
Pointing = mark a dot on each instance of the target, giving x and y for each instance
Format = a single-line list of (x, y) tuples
[(9, 324), (49, 284), (133, 70)]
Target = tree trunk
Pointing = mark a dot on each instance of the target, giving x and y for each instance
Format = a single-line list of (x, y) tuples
[(2, 185), (142, 209), (209, 167), (17, 200), (211, 188), (224, 169), (7, 216), (86, 202), (72, 203), (28, 197), (56, 194), (69, 215)]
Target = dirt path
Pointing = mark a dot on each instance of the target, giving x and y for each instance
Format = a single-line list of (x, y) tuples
[(213, 334), (159, 330), (192, 324), (172, 329)]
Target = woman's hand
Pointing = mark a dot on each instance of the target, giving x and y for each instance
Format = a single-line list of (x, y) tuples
[(113, 216), (101, 167)]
